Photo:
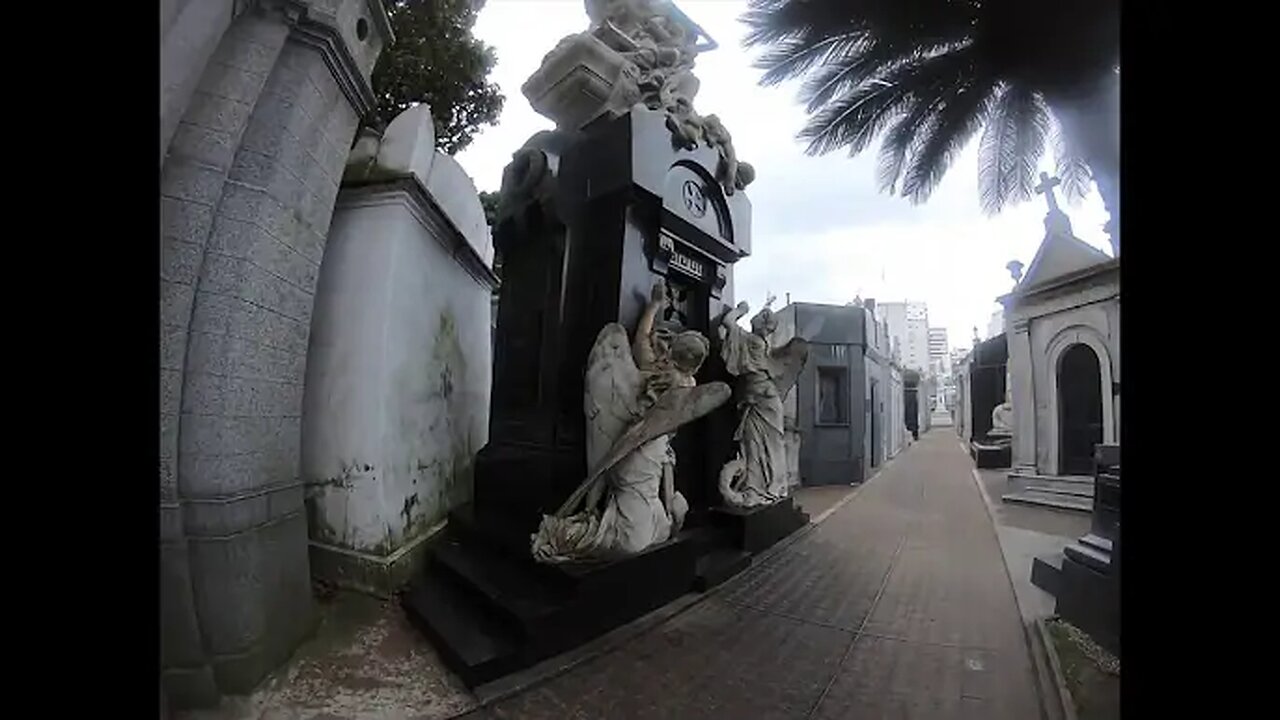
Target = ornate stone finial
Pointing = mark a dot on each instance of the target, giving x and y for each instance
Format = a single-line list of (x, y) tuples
[(636, 53), (1015, 270)]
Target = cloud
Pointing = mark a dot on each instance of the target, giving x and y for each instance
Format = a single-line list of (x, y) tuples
[(821, 228)]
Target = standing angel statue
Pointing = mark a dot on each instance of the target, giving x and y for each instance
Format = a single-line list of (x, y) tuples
[(637, 395), (757, 475)]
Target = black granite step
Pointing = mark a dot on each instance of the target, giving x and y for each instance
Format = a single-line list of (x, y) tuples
[(512, 590), (1046, 573), (1090, 600), (1088, 556), (991, 456), (756, 529), (491, 613), (708, 538), (1097, 542), (718, 566), (469, 640), (493, 531)]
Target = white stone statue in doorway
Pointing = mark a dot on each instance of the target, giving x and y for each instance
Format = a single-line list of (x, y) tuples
[(637, 395), (1002, 414), (757, 475)]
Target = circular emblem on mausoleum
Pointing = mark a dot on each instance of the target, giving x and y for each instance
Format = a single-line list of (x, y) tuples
[(694, 199)]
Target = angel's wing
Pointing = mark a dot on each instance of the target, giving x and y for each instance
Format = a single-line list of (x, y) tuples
[(787, 362), (674, 408), (611, 399)]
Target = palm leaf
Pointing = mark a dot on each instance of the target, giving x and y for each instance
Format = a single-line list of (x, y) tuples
[(1070, 167), (1010, 149), (911, 72), (773, 21), (956, 122), (793, 58), (932, 82), (869, 61), (902, 139), (854, 119)]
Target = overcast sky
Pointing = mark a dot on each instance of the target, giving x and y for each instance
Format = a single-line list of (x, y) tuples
[(821, 230)]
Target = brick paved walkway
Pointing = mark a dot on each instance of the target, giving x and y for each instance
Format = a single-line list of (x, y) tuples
[(897, 606)]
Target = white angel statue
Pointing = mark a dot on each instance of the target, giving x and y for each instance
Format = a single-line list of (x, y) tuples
[(636, 397), (757, 475)]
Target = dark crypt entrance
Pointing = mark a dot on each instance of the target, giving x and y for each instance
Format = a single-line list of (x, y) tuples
[(1079, 409)]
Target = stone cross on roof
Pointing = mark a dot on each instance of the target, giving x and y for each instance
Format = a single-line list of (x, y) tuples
[(1046, 186)]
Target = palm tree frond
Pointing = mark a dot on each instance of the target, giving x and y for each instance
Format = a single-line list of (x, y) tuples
[(853, 120), (867, 61), (858, 115), (1010, 149), (793, 58), (955, 123), (1070, 166), (771, 21), (901, 140)]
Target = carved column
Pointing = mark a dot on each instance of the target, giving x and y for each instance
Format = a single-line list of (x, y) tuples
[(1023, 396)]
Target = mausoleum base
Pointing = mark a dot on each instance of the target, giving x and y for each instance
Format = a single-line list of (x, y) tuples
[(490, 612), (756, 529)]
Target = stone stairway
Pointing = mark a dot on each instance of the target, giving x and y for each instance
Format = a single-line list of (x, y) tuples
[(490, 610), (1069, 493)]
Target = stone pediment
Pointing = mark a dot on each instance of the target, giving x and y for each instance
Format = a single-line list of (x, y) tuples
[(1059, 256)]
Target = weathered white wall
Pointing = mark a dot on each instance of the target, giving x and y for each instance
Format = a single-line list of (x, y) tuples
[(397, 396), (399, 367)]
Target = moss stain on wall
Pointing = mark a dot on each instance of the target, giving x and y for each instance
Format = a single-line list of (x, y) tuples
[(441, 478)]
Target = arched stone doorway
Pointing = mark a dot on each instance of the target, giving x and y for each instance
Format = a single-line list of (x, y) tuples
[(1080, 412)]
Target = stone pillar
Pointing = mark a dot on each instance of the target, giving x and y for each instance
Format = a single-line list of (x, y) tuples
[(1023, 397), (247, 191)]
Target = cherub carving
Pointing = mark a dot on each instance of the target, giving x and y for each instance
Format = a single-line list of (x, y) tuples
[(685, 125), (718, 137)]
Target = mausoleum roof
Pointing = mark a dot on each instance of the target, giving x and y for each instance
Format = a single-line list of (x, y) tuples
[(1059, 255)]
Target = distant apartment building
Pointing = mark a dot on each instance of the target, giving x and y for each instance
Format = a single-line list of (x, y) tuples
[(940, 367), (909, 327), (939, 352), (995, 325)]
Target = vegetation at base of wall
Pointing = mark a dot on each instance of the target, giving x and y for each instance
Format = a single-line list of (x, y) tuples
[(436, 60), (1092, 674)]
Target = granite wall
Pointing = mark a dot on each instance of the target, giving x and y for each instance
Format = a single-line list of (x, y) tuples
[(249, 176)]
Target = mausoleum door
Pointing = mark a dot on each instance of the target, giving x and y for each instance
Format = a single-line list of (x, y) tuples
[(1079, 408)]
